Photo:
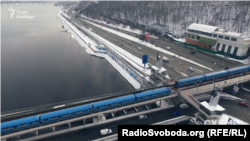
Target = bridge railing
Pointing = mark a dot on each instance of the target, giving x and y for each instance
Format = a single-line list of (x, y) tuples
[(217, 70)]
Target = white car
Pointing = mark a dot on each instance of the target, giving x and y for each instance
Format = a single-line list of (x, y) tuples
[(142, 117), (168, 48), (105, 131), (139, 49), (184, 105), (165, 59)]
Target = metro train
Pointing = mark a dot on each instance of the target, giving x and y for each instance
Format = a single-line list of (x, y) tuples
[(39, 120), (211, 76), (51, 117)]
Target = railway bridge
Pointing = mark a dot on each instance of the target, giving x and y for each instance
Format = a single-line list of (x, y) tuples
[(187, 93)]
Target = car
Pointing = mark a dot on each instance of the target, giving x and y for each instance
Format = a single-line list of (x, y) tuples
[(140, 117), (165, 59), (184, 105), (86, 131), (105, 131), (243, 103), (139, 49), (191, 69), (176, 113), (192, 52), (168, 48)]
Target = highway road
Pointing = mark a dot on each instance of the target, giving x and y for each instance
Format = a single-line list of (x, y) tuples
[(175, 65), (199, 57)]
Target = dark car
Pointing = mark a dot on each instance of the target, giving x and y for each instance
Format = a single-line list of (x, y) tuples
[(86, 131), (192, 52), (176, 113), (243, 103)]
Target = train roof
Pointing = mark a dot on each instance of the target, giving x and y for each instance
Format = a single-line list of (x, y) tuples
[(65, 111), (113, 100), (191, 78), (215, 73), (239, 68), (152, 91), (19, 121)]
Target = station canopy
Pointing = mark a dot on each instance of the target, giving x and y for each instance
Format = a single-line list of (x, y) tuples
[(203, 28)]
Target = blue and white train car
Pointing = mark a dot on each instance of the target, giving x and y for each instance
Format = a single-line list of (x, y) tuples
[(66, 113), (19, 124), (112, 103), (239, 70), (215, 75), (152, 94), (189, 81)]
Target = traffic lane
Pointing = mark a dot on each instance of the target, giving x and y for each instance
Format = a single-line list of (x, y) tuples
[(197, 69), (151, 119), (182, 65), (233, 108), (184, 51), (132, 49)]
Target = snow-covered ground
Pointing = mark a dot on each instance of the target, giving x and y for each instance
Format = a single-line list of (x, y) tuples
[(84, 40), (149, 45), (180, 39), (120, 27), (246, 61)]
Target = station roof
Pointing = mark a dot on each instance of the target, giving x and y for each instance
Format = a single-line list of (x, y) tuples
[(202, 27), (212, 108)]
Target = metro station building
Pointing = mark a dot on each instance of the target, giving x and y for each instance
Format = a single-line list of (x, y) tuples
[(215, 39)]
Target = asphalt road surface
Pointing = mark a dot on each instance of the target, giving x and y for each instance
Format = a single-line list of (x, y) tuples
[(200, 57), (173, 67)]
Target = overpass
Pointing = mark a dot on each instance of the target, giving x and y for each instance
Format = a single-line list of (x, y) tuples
[(186, 93)]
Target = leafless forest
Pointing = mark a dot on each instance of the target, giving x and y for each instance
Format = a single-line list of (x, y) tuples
[(232, 16)]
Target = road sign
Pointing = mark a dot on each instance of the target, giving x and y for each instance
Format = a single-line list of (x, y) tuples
[(145, 60), (147, 36), (236, 89)]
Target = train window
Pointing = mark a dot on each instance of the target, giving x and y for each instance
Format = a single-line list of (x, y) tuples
[(37, 121), (104, 106), (155, 95), (163, 93), (30, 123), (145, 96), (125, 101), (66, 115), (114, 103)]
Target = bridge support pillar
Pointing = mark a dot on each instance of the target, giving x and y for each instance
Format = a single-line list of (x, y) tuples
[(125, 111), (53, 129), (18, 137), (69, 125), (113, 115), (136, 110), (83, 121), (148, 106), (36, 133)]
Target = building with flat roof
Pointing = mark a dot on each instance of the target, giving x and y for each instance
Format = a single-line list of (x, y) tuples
[(219, 40)]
